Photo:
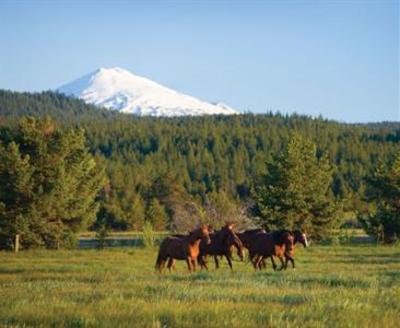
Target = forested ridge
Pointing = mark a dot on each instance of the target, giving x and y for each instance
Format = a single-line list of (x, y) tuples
[(164, 162)]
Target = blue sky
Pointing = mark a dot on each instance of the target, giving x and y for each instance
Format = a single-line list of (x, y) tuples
[(336, 58)]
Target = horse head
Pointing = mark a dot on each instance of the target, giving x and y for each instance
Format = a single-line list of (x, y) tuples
[(288, 239), (204, 233), (300, 237), (284, 238), (231, 239), (229, 226)]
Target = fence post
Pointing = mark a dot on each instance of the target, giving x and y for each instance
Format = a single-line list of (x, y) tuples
[(16, 246)]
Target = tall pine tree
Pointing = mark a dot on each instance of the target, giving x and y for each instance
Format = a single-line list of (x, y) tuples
[(384, 191), (295, 192)]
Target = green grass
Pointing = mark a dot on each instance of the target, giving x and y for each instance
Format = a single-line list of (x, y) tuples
[(333, 286)]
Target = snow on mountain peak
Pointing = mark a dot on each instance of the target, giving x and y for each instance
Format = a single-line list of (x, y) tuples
[(118, 89)]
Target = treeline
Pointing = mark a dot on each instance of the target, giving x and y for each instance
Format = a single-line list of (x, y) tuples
[(169, 170)]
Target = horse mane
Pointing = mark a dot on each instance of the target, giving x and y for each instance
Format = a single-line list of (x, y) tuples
[(222, 235), (186, 235), (278, 235), (227, 231), (254, 230), (179, 235)]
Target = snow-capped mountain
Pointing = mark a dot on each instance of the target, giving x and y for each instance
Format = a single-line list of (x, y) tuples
[(118, 89)]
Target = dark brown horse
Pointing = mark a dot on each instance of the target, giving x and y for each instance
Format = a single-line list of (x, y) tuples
[(222, 242), (277, 243), (299, 237), (182, 248), (248, 239)]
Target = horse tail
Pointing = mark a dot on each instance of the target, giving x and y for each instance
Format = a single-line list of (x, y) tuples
[(157, 266), (161, 258)]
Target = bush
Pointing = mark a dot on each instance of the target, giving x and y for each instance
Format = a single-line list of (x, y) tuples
[(148, 235), (102, 232)]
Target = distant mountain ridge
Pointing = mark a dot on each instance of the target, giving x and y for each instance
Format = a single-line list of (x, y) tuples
[(118, 89)]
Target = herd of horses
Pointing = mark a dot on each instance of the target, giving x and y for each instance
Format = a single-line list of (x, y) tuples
[(202, 242)]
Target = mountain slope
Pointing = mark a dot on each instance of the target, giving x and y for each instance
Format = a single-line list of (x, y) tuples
[(118, 89), (65, 109)]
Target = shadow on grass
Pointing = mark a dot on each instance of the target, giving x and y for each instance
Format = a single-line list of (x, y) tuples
[(198, 276), (12, 270), (393, 274), (334, 282), (365, 261)]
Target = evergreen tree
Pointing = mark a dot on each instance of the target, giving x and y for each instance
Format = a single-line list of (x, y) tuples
[(137, 218), (384, 191), (295, 192), (15, 191), (156, 215), (49, 184)]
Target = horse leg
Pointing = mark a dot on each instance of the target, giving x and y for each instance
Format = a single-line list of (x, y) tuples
[(205, 265), (216, 262), (263, 263), (161, 266), (254, 261), (171, 264), (273, 263), (287, 258), (260, 263), (282, 264), (200, 261), (203, 262), (229, 261), (251, 256), (291, 259), (257, 262), (189, 264), (194, 264)]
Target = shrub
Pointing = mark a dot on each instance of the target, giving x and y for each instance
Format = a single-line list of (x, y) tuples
[(148, 235)]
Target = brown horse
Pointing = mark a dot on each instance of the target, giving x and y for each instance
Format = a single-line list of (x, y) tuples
[(299, 237), (221, 244), (182, 248), (278, 244)]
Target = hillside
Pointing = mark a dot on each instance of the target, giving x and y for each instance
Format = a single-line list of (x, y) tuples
[(203, 158)]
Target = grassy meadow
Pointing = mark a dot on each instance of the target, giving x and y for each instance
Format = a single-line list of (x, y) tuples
[(333, 286)]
